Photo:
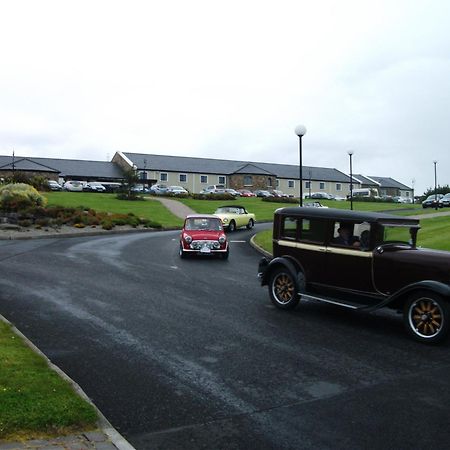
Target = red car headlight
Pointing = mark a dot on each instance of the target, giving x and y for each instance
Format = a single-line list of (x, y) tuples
[(222, 239), (187, 239)]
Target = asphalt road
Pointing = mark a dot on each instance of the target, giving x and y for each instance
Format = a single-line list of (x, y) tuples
[(190, 354)]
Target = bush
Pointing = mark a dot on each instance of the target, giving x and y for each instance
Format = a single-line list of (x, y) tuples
[(15, 197), (281, 200), (226, 197)]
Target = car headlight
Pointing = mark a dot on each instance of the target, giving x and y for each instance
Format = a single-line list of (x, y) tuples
[(222, 239), (187, 238), (224, 220)]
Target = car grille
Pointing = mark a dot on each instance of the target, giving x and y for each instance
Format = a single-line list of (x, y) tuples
[(198, 245)]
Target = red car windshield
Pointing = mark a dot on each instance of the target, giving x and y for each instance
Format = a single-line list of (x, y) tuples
[(203, 224)]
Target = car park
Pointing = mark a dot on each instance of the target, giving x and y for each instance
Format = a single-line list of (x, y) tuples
[(432, 201), (54, 185), (445, 200), (73, 186), (234, 217), (232, 192), (321, 195), (203, 234), (361, 261)]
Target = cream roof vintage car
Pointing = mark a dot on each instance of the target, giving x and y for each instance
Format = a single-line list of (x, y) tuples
[(235, 216)]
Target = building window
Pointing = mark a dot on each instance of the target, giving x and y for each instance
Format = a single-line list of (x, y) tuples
[(163, 176), (308, 184), (183, 178), (277, 182), (269, 182), (321, 185), (204, 179), (291, 184), (338, 187), (248, 180), (143, 175), (221, 180)]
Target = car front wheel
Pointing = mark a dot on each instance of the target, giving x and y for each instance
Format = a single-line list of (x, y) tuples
[(181, 252), (283, 289), (232, 226), (426, 317), (250, 224)]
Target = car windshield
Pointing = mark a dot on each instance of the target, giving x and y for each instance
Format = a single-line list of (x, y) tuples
[(227, 210), (398, 234), (203, 223)]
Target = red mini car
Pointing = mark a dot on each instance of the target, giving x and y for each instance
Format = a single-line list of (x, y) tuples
[(203, 235)]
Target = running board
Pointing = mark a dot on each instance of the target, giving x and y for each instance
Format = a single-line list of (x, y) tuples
[(333, 302)]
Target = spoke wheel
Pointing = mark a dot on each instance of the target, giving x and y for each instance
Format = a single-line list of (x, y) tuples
[(283, 289), (250, 224), (426, 317)]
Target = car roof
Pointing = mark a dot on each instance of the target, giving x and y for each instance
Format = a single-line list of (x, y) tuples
[(347, 215), (231, 206)]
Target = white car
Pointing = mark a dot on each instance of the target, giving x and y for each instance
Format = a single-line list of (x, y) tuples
[(176, 190), (73, 186)]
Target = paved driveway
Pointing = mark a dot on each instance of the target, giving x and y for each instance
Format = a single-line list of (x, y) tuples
[(189, 354)]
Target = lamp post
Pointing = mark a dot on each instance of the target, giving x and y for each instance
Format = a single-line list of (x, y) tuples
[(350, 154), (300, 131), (435, 185), (144, 176)]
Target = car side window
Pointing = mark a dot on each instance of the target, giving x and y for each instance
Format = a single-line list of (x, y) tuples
[(289, 228), (313, 231)]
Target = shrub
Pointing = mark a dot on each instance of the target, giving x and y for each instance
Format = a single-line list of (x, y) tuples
[(15, 197), (226, 197), (280, 200)]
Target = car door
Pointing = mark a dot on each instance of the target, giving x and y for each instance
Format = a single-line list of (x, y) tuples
[(349, 265)]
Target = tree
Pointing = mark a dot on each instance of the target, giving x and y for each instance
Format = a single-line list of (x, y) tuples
[(130, 179)]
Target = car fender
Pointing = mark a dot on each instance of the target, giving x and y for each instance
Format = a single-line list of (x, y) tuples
[(398, 298), (266, 267)]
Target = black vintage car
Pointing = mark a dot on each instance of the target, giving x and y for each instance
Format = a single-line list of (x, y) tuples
[(361, 261)]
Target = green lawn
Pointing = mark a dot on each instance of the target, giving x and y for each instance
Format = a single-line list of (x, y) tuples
[(149, 209), (35, 400)]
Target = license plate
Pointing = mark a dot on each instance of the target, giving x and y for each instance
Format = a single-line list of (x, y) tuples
[(205, 250)]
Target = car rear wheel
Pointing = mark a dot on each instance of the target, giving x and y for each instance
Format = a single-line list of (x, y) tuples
[(283, 289), (232, 226), (426, 317), (250, 224)]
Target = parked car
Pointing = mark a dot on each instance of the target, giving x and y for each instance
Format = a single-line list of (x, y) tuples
[(54, 185), (432, 201), (314, 205), (263, 193), (203, 234), (233, 217), (73, 186), (232, 192), (94, 186), (321, 195), (215, 191), (277, 193), (360, 261), (445, 200), (246, 193), (176, 190), (158, 189)]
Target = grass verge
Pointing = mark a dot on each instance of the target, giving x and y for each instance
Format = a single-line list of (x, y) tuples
[(34, 400)]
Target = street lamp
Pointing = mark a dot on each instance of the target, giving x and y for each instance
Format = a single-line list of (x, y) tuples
[(300, 131), (350, 154), (435, 185)]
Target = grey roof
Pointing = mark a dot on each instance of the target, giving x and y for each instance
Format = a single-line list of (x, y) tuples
[(365, 180), (386, 182), (71, 168), (228, 167), (26, 164)]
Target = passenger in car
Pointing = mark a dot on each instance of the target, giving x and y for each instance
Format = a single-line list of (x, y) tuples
[(346, 237)]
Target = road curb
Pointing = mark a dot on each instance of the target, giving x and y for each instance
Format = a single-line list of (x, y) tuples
[(258, 248), (105, 426)]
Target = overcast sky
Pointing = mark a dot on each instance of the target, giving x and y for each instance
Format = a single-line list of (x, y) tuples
[(83, 79)]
